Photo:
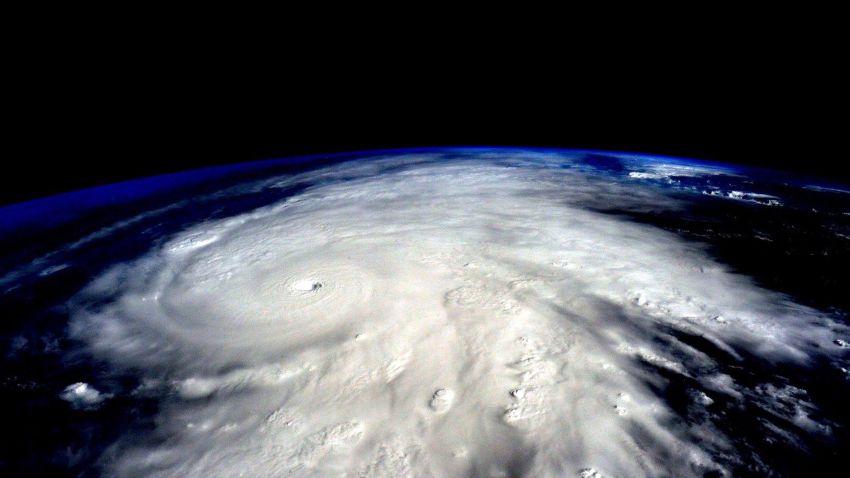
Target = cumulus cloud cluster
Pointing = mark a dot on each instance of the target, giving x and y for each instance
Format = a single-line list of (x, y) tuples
[(420, 317)]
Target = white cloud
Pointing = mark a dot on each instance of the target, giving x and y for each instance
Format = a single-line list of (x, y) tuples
[(491, 282), (83, 395)]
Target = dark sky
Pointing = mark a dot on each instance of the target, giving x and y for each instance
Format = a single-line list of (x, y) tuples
[(83, 124)]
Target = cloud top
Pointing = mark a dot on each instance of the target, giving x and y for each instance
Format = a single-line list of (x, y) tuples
[(432, 317)]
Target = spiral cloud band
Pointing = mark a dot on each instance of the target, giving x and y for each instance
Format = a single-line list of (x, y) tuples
[(425, 317)]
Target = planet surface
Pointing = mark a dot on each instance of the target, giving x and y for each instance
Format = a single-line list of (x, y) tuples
[(441, 312)]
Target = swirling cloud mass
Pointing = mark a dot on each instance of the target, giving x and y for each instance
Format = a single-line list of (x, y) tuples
[(422, 317)]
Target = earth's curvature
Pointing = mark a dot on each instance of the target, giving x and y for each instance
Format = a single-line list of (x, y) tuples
[(435, 312)]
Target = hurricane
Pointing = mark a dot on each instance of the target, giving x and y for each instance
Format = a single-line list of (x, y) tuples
[(416, 315)]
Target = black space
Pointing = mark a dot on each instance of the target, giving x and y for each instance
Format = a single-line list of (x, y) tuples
[(82, 119)]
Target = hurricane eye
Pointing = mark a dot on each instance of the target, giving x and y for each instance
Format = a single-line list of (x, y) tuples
[(307, 285)]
